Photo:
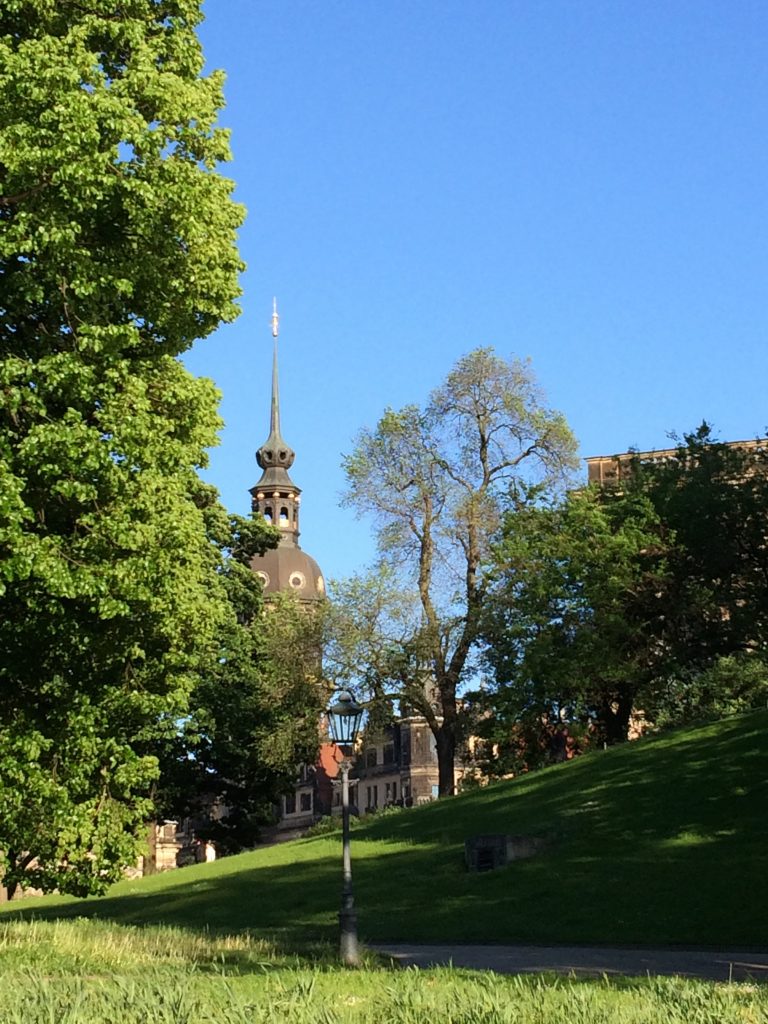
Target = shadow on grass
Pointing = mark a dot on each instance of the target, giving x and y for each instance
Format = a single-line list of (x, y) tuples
[(707, 783), (656, 843)]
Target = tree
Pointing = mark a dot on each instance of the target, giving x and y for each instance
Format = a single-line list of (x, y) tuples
[(117, 251), (580, 610), (651, 596), (434, 479), (254, 715), (714, 499)]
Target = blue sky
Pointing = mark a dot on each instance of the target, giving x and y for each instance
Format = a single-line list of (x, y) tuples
[(584, 183)]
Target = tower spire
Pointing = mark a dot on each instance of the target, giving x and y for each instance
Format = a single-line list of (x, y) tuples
[(277, 499), (274, 420), (276, 496)]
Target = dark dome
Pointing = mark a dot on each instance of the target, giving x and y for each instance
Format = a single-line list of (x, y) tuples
[(288, 568)]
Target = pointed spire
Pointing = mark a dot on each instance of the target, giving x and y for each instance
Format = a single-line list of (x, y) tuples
[(275, 453), (274, 421)]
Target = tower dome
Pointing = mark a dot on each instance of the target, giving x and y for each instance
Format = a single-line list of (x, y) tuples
[(277, 499)]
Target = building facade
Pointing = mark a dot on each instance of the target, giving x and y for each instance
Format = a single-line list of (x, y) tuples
[(611, 470), (397, 765)]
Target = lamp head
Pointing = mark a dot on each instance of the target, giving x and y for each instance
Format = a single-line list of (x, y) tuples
[(344, 719)]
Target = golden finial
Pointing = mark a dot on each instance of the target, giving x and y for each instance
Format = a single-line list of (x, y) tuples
[(275, 319)]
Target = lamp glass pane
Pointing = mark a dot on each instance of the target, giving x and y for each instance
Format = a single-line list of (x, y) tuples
[(344, 718)]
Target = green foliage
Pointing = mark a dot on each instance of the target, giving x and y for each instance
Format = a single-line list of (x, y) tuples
[(434, 480), (713, 499), (254, 714), (328, 825), (575, 616), (730, 685), (117, 250), (369, 639), (651, 596)]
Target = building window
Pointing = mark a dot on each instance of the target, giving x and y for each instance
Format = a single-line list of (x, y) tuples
[(306, 801), (390, 793), (283, 516), (389, 753), (370, 757), (297, 580), (268, 514), (289, 802)]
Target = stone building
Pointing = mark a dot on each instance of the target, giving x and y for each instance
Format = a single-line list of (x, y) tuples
[(610, 470), (397, 765)]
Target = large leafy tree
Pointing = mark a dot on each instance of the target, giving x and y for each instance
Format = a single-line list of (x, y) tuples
[(117, 251), (714, 498), (578, 617), (434, 480), (651, 596)]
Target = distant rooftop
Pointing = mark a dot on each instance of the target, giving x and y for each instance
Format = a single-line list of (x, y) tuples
[(607, 470)]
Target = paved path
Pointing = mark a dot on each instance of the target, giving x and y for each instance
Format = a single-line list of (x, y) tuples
[(585, 960)]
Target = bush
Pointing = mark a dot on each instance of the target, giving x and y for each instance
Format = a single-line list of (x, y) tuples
[(732, 684)]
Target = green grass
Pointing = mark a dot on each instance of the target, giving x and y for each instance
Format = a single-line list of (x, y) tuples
[(84, 972), (660, 842)]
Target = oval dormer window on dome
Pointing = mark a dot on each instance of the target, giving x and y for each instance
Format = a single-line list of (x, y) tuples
[(297, 580)]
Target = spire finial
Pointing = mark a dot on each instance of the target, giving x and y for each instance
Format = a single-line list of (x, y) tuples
[(275, 414)]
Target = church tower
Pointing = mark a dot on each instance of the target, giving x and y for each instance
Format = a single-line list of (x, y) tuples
[(277, 498)]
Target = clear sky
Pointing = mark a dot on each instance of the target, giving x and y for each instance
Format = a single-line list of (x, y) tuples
[(584, 183)]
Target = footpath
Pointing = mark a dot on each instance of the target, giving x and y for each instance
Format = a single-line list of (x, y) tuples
[(587, 961)]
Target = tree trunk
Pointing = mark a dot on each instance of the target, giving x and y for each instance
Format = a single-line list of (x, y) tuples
[(446, 756), (614, 725)]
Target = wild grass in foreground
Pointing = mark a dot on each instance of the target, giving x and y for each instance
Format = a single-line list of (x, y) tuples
[(86, 972), (365, 997)]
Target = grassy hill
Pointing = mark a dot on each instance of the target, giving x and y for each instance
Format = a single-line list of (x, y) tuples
[(659, 842)]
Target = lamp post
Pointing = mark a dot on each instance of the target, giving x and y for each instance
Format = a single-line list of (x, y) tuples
[(344, 718)]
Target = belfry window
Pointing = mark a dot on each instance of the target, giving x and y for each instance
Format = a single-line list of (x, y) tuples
[(284, 520), (268, 514)]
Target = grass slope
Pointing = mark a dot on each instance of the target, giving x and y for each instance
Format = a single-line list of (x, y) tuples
[(658, 842)]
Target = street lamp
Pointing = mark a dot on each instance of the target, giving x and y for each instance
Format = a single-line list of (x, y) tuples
[(344, 718)]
